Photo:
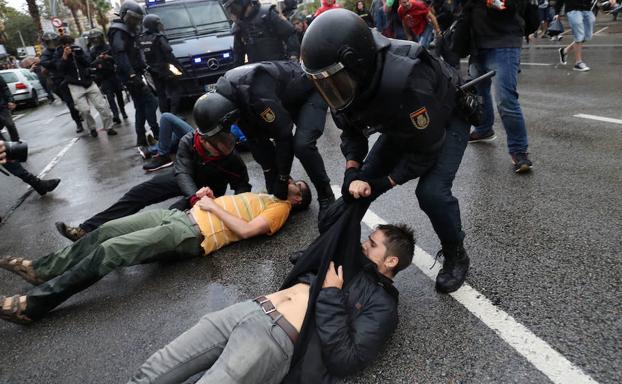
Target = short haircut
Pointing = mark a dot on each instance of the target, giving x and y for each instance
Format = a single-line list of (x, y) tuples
[(399, 239), (306, 197), (222, 137)]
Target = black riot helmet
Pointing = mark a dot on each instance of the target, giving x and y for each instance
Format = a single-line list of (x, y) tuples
[(152, 23), (96, 37), (50, 40), (338, 54), (131, 14), (236, 8), (213, 113)]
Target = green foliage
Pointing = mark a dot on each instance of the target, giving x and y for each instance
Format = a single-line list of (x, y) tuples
[(15, 21)]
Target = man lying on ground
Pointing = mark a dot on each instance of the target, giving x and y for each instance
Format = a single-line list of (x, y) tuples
[(204, 159), (253, 341), (142, 238)]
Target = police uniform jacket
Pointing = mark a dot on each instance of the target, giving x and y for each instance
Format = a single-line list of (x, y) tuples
[(193, 172), (411, 101), (269, 95), (264, 35), (48, 61), (158, 54), (124, 50)]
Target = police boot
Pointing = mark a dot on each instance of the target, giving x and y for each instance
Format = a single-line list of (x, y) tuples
[(41, 186), (454, 270)]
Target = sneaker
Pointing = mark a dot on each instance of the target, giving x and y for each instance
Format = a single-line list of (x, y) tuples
[(521, 163), (562, 56), (157, 162), (145, 152), (581, 67), (94, 132), (111, 132), (72, 233), (475, 137), (116, 120)]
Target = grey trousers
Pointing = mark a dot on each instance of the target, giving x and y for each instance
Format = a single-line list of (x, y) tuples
[(239, 344), (82, 96)]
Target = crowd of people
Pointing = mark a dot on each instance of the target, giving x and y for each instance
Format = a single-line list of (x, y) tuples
[(385, 70)]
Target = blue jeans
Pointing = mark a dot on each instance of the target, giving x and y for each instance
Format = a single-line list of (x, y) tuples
[(172, 129), (145, 105), (505, 62), (581, 24), (427, 36)]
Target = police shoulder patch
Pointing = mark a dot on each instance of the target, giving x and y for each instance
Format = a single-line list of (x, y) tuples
[(420, 118), (268, 115)]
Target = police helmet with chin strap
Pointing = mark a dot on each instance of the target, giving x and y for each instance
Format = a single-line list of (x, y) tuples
[(338, 54), (131, 13), (213, 113), (152, 23)]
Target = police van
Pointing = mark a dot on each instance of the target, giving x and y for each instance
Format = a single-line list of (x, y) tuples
[(200, 34)]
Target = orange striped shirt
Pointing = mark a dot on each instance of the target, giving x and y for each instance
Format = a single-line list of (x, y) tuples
[(245, 206)]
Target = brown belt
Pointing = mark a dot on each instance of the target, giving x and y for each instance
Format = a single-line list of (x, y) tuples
[(196, 227), (270, 310)]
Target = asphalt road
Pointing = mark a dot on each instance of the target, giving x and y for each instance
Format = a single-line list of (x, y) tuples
[(545, 249)]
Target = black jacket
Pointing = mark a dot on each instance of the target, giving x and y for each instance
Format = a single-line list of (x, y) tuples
[(269, 95), (573, 5), (50, 63), (344, 329), (158, 54), (264, 35), (124, 50), (192, 172), (75, 69), (494, 28), (411, 100), (6, 96)]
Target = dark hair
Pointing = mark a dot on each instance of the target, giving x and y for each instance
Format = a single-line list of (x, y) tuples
[(306, 197), (399, 239)]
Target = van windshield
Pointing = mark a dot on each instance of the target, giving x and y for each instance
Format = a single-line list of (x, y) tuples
[(192, 18)]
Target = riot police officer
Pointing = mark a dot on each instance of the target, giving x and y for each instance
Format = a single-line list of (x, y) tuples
[(397, 88), (48, 61), (260, 32), (122, 36), (106, 73), (162, 64), (266, 99)]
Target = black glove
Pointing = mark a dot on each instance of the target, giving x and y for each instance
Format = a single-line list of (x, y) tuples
[(135, 83), (379, 186), (271, 179), (280, 187), (351, 174)]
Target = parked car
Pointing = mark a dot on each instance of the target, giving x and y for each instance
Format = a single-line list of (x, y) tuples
[(24, 86), (200, 34)]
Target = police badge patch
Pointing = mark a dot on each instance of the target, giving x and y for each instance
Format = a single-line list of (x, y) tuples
[(420, 118), (268, 115)]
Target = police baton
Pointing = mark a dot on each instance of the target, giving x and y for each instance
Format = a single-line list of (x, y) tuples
[(476, 80)]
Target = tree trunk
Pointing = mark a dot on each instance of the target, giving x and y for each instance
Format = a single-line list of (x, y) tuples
[(34, 13), (74, 13)]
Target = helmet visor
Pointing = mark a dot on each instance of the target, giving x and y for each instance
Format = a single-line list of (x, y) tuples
[(335, 85), (133, 19)]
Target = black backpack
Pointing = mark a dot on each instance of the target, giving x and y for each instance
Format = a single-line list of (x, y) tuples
[(531, 17)]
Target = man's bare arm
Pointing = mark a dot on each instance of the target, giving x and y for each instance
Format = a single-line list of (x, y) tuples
[(242, 228)]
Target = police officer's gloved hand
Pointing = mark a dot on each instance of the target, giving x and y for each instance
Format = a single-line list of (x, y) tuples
[(271, 178), (379, 186), (351, 174), (280, 187)]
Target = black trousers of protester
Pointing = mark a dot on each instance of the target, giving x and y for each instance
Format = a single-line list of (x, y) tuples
[(159, 188), (168, 91), (6, 120), (145, 105), (434, 187), (62, 90), (113, 90), (17, 170), (310, 120)]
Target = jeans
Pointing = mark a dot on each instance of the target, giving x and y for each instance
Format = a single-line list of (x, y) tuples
[(505, 61), (581, 24), (146, 106), (6, 120), (142, 238), (172, 129), (237, 345), (427, 36), (159, 188)]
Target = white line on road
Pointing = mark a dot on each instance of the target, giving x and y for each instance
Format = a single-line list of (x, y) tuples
[(17, 117), (600, 30), (599, 118), (57, 158), (538, 352), (534, 64)]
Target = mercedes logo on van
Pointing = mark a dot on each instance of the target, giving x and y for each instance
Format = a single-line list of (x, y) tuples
[(213, 64)]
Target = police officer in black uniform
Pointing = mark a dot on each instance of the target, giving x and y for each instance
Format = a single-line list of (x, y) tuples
[(162, 64), (266, 99), (396, 88), (122, 36), (105, 70), (260, 32), (49, 62)]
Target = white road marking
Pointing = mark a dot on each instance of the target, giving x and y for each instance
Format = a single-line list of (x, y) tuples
[(17, 117), (57, 158), (599, 118), (600, 30), (538, 352), (534, 64)]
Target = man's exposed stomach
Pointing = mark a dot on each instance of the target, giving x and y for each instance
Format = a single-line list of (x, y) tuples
[(292, 303)]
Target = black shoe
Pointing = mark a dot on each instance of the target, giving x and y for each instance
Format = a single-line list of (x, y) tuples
[(562, 56), (124, 115), (111, 132), (94, 132), (144, 152), (79, 129), (454, 270), (157, 162), (116, 120), (521, 162), (72, 233), (44, 186), (475, 137)]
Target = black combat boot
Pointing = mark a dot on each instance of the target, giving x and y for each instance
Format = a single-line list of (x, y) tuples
[(41, 186), (454, 270)]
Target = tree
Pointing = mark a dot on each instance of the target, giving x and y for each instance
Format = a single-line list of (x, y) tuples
[(74, 7), (14, 22), (102, 7), (33, 9)]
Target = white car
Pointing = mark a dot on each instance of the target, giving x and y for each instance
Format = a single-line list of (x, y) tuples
[(24, 86)]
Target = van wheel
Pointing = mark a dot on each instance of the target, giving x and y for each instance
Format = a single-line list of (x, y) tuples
[(34, 100)]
